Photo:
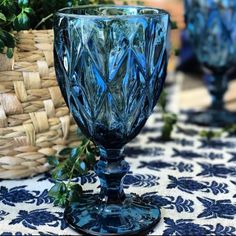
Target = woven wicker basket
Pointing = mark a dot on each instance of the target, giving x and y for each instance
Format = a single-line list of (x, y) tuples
[(34, 120)]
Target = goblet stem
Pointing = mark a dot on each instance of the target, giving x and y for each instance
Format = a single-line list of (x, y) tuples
[(216, 115), (217, 86), (111, 170)]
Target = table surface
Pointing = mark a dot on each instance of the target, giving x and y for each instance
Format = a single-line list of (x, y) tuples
[(190, 178)]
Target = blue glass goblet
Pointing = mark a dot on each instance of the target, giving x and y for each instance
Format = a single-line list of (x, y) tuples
[(111, 65), (211, 25)]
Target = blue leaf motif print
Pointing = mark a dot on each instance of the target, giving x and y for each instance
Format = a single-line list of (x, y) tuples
[(19, 195), (186, 154), (15, 234), (217, 144), (133, 152), (233, 154), (43, 198), (138, 180), (46, 234), (159, 165), (233, 182), (169, 202), (184, 142), (155, 165), (221, 230), (46, 177), (182, 167), (217, 170), (189, 154), (188, 185), (90, 178), (217, 188), (39, 217), (2, 214), (213, 156), (217, 208), (188, 227), (15, 195), (184, 227), (183, 205)]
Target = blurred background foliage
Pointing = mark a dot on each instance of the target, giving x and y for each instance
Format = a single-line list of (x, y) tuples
[(31, 14)]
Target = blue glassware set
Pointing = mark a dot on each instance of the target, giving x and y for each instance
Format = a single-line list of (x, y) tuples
[(111, 64)]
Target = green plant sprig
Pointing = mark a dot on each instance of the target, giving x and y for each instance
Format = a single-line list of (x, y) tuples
[(14, 15), (36, 14), (231, 129), (169, 119), (210, 134), (78, 162)]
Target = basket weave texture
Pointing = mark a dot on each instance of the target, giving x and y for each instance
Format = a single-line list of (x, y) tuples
[(34, 120)]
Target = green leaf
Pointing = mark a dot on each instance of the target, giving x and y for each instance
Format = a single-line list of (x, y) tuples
[(2, 17), (75, 193), (59, 193), (57, 189), (65, 152), (2, 45), (7, 38), (170, 120), (11, 17), (163, 100), (10, 52), (231, 129), (166, 132), (21, 22), (173, 25), (57, 173), (75, 152), (84, 141), (210, 134), (7, 4), (83, 165), (28, 10), (23, 3), (61, 172), (80, 167), (177, 52), (53, 161), (90, 159), (140, 3)]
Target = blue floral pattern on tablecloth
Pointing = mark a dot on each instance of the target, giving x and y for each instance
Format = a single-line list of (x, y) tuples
[(193, 180)]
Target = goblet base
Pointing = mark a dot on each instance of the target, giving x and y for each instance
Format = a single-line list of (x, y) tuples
[(212, 118), (93, 216)]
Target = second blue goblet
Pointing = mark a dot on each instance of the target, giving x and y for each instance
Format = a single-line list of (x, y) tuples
[(211, 26)]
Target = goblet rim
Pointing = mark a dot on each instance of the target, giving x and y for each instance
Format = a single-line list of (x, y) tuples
[(159, 12)]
